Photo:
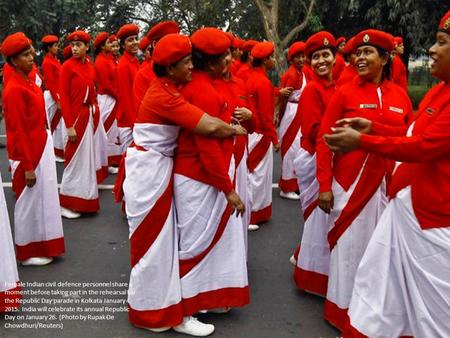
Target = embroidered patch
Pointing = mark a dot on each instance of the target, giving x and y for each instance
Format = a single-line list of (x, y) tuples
[(447, 23), (366, 38), (326, 42), (395, 109), (368, 106), (429, 111)]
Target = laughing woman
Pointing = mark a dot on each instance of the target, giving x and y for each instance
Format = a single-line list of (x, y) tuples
[(352, 186), (408, 255), (37, 219)]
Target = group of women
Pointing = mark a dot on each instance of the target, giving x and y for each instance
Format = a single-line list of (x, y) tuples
[(200, 113)]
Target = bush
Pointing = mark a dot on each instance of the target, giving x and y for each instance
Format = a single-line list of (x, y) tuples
[(416, 93)]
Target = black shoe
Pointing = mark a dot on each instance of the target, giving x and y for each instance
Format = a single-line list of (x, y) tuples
[(2, 146)]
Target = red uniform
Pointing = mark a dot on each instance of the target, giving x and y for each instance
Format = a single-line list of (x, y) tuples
[(244, 72), (51, 69), (126, 72), (347, 75), (106, 75), (399, 73), (235, 66), (338, 67), (144, 77)]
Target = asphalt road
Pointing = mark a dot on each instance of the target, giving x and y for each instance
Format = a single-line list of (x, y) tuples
[(97, 251)]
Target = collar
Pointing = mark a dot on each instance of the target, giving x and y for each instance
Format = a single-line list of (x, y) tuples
[(323, 82)]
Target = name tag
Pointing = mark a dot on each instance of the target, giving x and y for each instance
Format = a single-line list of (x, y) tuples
[(397, 110), (368, 105)]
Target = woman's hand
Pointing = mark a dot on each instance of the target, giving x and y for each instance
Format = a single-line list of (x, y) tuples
[(242, 114), (326, 201), (360, 124), (286, 91), (235, 201), (72, 134), (30, 178), (343, 139), (240, 130)]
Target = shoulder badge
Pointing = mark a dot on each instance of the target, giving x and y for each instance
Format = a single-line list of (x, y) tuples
[(366, 38)]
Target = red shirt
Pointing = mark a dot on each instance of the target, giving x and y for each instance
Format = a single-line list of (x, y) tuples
[(8, 70), (357, 99), (347, 75), (164, 104), (292, 77), (399, 73), (25, 120), (307, 70), (106, 75), (77, 88), (339, 66), (426, 154), (262, 97), (126, 72), (144, 77), (51, 68), (311, 108), (244, 72), (199, 157), (235, 65)]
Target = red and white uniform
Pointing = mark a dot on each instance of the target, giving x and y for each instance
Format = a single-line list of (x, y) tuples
[(338, 67), (51, 69), (10, 295), (126, 114), (79, 191), (37, 218), (211, 240), (290, 129), (408, 255), (106, 79), (399, 73), (347, 75), (260, 160), (154, 293), (358, 182), (311, 270), (142, 81)]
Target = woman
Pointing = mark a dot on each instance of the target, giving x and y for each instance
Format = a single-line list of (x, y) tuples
[(106, 79), (115, 48), (246, 68), (37, 219), (407, 257), (154, 294), (126, 72), (51, 69), (10, 290), (289, 127), (79, 191), (352, 186), (349, 73), (312, 263), (260, 160), (211, 240)]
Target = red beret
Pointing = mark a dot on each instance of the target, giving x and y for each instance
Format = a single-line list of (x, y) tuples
[(171, 48), (144, 43), (444, 25), (67, 52), (79, 36), (320, 40), (238, 43), (127, 30), (49, 39), (340, 40), (398, 40), (375, 38), (14, 44), (161, 29), (263, 50), (211, 41), (112, 38), (248, 45), (100, 38), (348, 49), (296, 48)]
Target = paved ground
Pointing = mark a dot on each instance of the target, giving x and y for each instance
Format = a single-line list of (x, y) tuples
[(97, 251)]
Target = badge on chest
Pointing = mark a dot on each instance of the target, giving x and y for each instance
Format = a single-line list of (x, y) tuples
[(368, 106)]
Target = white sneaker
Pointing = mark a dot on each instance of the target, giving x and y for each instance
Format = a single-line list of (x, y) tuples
[(289, 195), (192, 326), (253, 227), (66, 213), (155, 329), (59, 159), (113, 170), (219, 310), (37, 261), (292, 260)]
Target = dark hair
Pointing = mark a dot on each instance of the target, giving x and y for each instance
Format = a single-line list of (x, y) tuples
[(159, 70), (9, 58), (244, 57), (98, 49), (257, 62), (387, 67), (201, 60), (46, 46)]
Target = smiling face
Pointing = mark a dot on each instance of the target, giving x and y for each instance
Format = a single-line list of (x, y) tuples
[(79, 49), (130, 44), (369, 63), (181, 72), (115, 47), (440, 56), (322, 62), (298, 60), (24, 61), (220, 67)]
